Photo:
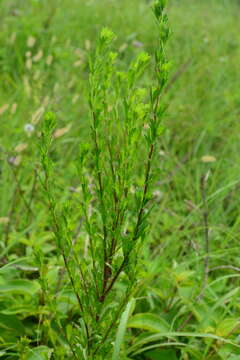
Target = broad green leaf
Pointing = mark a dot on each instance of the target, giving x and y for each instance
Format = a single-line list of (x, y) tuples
[(11, 322), (183, 277), (20, 287), (39, 353), (10, 328), (150, 322), (227, 326), (161, 355), (226, 352)]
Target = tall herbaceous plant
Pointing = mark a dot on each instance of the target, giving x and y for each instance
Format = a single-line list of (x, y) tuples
[(116, 173)]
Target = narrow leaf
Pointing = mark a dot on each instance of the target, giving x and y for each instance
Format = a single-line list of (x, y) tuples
[(122, 329)]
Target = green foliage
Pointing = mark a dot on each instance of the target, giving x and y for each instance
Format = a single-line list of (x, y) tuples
[(122, 329), (114, 219)]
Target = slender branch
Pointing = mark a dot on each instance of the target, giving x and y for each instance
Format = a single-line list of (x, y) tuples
[(145, 191), (124, 301), (112, 282), (92, 253), (46, 187), (139, 219), (205, 215), (33, 191), (182, 69), (220, 267), (72, 281), (10, 215), (106, 268), (27, 205)]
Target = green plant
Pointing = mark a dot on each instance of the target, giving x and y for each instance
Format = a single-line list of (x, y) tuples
[(115, 198)]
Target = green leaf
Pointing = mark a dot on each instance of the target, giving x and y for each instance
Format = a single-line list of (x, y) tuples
[(49, 121), (175, 334), (9, 264), (161, 355), (11, 322), (227, 326), (20, 287), (19, 309), (148, 321), (158, 8), (107, 35), (159, 346), (10, 328), (39, 353), (122, 329)]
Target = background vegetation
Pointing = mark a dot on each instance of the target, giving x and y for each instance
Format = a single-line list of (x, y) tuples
[(181, 310)]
